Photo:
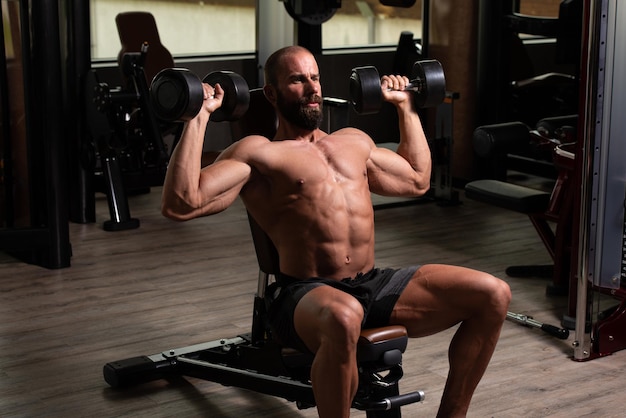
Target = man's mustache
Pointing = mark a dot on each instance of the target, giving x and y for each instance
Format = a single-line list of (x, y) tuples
[(311, 99)]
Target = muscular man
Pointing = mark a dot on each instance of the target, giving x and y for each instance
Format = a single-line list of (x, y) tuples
[(310, 192)]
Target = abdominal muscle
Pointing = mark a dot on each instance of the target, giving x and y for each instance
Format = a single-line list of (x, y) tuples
[(325, 230), (316, 208)]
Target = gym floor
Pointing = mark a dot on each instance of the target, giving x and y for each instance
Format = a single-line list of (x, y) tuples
[(168, 285)]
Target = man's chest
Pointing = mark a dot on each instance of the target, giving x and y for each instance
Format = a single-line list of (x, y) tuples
[(317, 164)]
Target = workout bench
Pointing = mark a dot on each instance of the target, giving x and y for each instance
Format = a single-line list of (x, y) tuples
[(255, 361), (543, 208)]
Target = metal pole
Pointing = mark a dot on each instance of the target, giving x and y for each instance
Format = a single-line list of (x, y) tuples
[(49, 138), (82, 194), (593, 71), (275, 29)]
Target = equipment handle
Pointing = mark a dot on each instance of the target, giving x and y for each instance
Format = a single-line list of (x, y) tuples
[(406, 398), (557, 332), (391, 402), (415, 85)]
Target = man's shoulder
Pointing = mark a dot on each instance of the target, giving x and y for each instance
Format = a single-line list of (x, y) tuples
[(351, 131), (351, 137), (252, 140), (248, 146), (245, 150)]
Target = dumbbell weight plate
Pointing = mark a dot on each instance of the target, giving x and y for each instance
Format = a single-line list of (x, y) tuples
[(432, 83), (365, 93), (236, 95), (176, 94), (311, 13)]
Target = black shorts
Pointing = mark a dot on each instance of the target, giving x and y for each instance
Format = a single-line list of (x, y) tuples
[(377, 290)]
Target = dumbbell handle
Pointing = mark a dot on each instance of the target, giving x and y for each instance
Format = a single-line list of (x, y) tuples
[(415, 85), (428, 85)]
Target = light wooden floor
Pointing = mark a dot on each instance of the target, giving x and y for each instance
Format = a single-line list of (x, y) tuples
[(169, 285)]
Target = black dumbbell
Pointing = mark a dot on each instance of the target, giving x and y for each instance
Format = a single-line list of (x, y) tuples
[(428, 85), (177, 95)]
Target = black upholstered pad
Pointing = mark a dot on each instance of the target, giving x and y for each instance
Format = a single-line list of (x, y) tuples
[(508, 196)]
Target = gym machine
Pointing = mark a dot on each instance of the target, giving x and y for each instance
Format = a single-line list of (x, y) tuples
[(126, 150), (597, 249), (126, 140), (601, 293), (553, 139)]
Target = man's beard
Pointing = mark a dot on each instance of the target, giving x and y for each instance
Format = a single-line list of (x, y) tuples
[(298, 113)]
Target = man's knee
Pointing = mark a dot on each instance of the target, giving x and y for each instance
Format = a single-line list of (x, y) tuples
[(341, 322), (499, 295), (326, 317), (339, 328)]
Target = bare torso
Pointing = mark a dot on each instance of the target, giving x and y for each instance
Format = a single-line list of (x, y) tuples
[(313, 200)]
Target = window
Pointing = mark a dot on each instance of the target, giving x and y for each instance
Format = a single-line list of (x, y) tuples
[(360, 23), (545, 8), (186, 27)]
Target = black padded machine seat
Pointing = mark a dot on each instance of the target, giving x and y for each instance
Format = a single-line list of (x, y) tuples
[(531, 202), (542, 208), (508, 196)]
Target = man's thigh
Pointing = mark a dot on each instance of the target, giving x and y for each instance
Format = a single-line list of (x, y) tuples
[(440, 296)]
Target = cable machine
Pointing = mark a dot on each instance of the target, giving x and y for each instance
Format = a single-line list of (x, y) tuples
[(601, 289)]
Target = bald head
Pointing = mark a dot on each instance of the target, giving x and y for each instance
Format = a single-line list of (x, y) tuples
[(275, 60)]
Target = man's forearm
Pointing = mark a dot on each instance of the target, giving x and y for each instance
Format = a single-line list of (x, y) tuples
[(413, 145), (183, 172)]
